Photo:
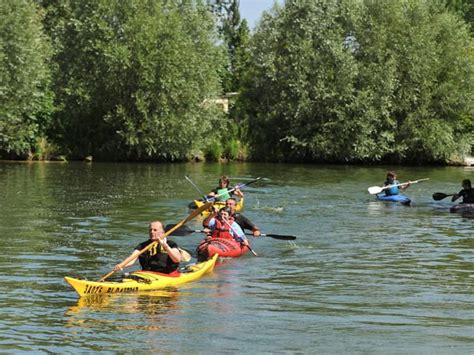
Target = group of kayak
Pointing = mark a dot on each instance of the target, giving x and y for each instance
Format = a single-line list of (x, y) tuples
[(160, 257), (224, 228), (392, 187)]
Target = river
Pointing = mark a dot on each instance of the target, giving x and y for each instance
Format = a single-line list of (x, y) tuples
[(361, 277)]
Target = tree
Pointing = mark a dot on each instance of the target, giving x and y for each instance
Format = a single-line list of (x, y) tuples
[(133, 77), (360, 81), (26, 101), (235, 35)]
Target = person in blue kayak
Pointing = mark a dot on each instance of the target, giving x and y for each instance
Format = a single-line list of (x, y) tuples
[(221, 192), (467, 192), (164, 257), (392, 180)]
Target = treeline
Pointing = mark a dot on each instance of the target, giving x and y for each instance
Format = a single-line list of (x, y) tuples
[(318, 80)]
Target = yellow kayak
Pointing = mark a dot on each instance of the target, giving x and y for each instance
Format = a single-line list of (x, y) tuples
[(142, 280), (219, 205)]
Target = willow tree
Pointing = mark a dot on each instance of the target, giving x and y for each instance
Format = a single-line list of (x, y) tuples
[(360, 81), (25, 98), (133, 77), (425, 54)]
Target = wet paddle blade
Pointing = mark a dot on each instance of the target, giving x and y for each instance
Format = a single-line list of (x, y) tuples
[(439, 196), (375, 190), (279, 236)]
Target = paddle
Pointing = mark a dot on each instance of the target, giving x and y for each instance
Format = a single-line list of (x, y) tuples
[(151, 245), (248, 246), (185, 230), (439, 196), (377, 189), (212, 199), (185, 255), (204, 196)]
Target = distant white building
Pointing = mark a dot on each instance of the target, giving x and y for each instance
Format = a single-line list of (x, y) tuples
[(222, 101)]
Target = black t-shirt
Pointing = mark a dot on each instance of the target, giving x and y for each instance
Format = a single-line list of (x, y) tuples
[(467, 195), (157, 259), (243, 222)]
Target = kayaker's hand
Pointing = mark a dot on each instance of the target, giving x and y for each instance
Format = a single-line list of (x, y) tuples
[(405, 186), (164, 245), (207, 231), (256, 233), (118, 267), (455, 197), (239, 193), (245, 242)]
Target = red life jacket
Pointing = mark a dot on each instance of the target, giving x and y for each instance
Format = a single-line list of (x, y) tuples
[(222, 229)]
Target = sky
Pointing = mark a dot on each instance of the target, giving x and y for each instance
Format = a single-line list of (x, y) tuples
[(251, 10)]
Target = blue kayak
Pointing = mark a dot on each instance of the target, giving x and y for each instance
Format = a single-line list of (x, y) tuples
[(404, 200)]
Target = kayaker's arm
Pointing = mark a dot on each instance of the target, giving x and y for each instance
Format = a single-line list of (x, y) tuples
[(245, 223), (240, 203), (173, 253), (128, 261), (208, 219), (238, 233), (405, 185)]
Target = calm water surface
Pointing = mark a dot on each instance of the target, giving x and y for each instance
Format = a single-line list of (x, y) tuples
[(361, 277)]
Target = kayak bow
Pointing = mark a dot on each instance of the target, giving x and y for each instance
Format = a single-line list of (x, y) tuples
[(142, 280)]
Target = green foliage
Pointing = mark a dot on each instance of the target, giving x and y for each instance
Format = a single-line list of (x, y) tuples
[(463, 7), (356, 81), (235, 35), (26, 101), (214, 150), (132, 77), (232, 148), (44, 150)]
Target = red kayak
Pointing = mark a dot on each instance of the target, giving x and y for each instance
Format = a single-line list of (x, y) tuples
[(223, 247)]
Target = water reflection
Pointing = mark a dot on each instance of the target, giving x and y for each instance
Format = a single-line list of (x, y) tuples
[(153, 308)]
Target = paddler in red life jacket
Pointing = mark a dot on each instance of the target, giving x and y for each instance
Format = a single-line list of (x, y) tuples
[(164, 257), (223, 226), (222, 191)]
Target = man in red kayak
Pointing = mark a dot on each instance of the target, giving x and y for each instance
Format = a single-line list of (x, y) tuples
[(164, 257), (224, 226), (241, 220)]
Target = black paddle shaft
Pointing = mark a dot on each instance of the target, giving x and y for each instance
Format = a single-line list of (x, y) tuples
[(185, 230)]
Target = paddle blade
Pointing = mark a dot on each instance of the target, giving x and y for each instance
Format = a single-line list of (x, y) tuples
[(180, 232), (439, 196), (375, 190), (185, 255), (280, 237)]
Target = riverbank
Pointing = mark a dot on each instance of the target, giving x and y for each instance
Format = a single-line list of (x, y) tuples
[(469, 161)]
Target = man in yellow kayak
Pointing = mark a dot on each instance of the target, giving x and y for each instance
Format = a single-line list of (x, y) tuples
[(164, 257)]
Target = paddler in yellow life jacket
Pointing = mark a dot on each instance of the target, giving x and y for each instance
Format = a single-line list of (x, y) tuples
[(221, 192)]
